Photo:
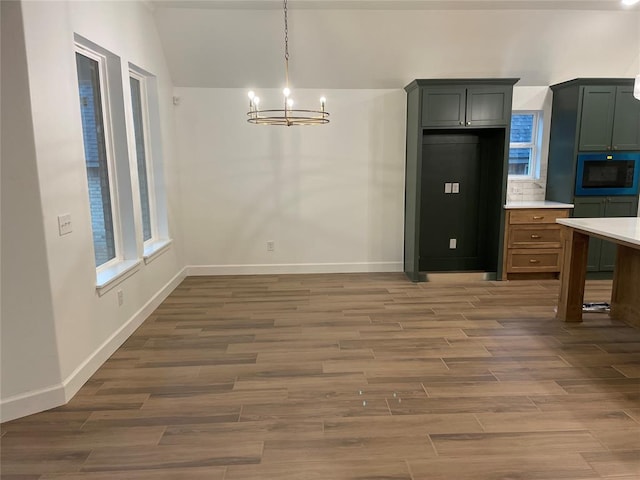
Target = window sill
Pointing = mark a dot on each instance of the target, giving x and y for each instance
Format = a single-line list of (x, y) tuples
[(110, 277), (155, 249)]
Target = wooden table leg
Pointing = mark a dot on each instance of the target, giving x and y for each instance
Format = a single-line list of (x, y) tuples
[(625, 297), (572, 275)]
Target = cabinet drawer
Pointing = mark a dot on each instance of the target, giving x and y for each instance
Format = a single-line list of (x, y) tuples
[(534, 236), (534, 260), (541, 215)]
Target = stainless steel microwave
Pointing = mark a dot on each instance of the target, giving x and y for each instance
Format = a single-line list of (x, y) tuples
[(607, 174)]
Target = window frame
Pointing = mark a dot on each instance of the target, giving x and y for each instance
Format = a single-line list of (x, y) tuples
[(534, 145), (109, 153), (146, 132)]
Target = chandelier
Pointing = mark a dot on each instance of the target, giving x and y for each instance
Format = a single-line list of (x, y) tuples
[(288, 116)]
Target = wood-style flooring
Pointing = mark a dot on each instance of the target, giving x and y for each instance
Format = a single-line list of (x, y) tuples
[(350, 377)]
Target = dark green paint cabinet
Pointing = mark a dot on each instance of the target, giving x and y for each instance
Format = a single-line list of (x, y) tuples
[(588, 114), (610, 119), (460, 106), (602, 254), (456, 175)]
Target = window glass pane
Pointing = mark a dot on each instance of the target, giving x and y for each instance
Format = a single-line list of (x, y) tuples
[(520, 161), (522, 128), (138, 127), (96, 158)]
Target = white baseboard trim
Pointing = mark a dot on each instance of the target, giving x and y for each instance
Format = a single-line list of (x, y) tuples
[(31, 402), (262, 269), (39, 400)]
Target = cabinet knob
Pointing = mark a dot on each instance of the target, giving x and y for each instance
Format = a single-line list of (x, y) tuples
[(615, 147), (534, 261), (533, 235), (468, 123), (461, 123), (608, 147)]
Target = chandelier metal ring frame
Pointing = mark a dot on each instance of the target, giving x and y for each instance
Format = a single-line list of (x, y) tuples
[(288, 116)]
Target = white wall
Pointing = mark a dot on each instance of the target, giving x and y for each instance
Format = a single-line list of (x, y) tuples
[(79, 328), (330, 197), (29, 356)]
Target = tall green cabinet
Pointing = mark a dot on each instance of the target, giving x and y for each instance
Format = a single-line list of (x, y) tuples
[(456, 175), (592, 115)]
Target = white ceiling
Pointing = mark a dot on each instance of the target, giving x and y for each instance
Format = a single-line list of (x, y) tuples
[(386, 44)]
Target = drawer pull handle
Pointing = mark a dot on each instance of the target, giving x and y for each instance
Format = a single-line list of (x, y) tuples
[(535, 217), (534, 261), (533, 235)]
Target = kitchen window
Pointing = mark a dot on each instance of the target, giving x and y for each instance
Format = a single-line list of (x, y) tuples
[(523, 144)]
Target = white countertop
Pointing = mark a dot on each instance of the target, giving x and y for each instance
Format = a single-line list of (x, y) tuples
[(537, 204), (621, 229)]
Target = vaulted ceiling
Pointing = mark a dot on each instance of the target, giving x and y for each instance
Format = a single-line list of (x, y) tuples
[(386, 44)]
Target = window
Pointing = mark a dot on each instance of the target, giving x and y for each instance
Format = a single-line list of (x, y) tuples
[(146, 148), (104, 137), (523, 149), (140, 128), (98, 155)]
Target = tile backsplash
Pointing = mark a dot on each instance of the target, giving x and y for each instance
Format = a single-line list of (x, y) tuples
[(525, 190)]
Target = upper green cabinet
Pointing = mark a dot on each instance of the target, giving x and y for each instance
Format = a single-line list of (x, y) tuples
[(626, 120), (610, 119), (466, 106)]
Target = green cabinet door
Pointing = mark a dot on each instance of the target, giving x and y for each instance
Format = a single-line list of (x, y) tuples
[(477, 106), (488, 105), (591, 207), (615, 207), (602, 254), (443, 106), (596, 121), (626, 122)]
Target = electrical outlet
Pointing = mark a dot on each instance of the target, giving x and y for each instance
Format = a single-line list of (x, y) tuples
[(120, 298), (64, 224), (271, 246)]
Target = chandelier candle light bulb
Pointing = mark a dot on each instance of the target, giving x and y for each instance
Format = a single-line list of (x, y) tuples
[(289, 116)]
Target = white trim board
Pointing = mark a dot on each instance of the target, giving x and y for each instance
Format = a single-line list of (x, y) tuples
[(293, 268), (55, 395)]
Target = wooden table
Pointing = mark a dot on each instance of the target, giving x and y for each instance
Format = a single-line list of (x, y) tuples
[(625, 297)]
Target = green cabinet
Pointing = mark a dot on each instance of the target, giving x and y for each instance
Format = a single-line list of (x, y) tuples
[(457, 148), (626, 121), (460, 106), (610, 119), (588, 115), (602, 254)]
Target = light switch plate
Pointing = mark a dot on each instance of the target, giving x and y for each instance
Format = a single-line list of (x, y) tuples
[(447, 187), (64, 224), (453, 243), (455, 188)]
